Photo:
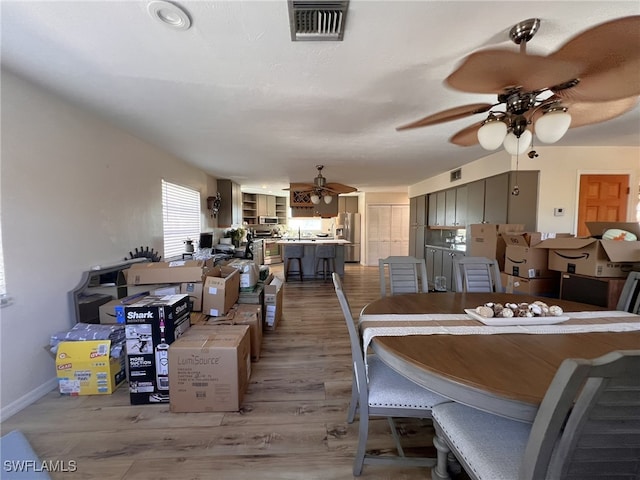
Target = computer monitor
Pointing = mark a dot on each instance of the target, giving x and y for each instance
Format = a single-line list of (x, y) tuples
[(206, 240)]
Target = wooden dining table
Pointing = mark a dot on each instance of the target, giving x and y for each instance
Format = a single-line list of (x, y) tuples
[(503, 373)]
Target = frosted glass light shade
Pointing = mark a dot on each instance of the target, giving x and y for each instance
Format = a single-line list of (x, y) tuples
[(515, 146), (315, 199), (491, 134), (327, 199), (552, 126)]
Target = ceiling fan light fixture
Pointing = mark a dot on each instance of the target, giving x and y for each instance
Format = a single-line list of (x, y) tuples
[(492, 133), (552, 125), (328, 199), (517, 146), (315, 199)]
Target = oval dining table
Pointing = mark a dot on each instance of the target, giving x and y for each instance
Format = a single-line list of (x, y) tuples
[(504, 374)]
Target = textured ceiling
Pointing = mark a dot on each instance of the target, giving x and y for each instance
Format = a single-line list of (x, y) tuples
[(236, 97)]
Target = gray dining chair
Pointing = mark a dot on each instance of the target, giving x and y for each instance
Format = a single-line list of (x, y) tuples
[(406, 275), (630, 296), (477, 274), (379, 391), (587, 427)]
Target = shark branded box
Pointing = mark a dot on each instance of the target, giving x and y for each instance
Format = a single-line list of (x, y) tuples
[(152, 324)]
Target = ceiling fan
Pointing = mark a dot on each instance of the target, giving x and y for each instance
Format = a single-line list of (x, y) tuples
[(320, 189), (592, 78)]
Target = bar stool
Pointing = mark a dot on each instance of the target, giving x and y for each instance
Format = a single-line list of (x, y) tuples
[(327, 255), (293, 252)]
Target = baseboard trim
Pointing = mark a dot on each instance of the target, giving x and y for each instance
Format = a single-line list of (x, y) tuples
[(28, 399)]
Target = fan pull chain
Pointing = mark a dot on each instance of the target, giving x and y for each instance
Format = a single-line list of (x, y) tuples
[(516, 189)]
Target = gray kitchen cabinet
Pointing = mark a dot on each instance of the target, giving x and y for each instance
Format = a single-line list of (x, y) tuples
[(496, 191), (418, 210), (437, 209), (433, 260), (417, 240), (230, 212), (523, 208), (448, 258), (439, 261), (450, 207), (460, 219), (475, 202)]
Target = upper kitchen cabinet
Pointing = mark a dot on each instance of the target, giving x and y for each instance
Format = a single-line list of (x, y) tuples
[(231, 206), (523, 208), (266, 205), (418, 210), (347, 204), (436, 214), (496, 197)]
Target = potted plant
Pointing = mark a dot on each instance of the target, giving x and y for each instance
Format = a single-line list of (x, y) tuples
[(236, 235)]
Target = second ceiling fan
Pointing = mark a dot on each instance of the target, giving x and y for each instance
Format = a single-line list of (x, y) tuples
[(592, 78)]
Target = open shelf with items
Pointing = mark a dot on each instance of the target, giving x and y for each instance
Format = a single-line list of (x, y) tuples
[(250, 208), (281, 210)]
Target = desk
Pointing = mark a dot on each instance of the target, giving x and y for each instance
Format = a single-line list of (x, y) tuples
[(505, 374)]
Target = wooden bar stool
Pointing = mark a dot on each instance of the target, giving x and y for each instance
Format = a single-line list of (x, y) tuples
[(327, 255), (293, 252)]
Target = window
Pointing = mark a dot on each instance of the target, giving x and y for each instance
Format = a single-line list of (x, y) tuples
[(180, 217)]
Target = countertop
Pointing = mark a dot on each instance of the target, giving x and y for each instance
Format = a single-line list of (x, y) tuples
[(314, 241)]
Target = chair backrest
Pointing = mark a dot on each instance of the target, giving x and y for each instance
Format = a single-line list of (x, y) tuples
[(477, 274), (589, 421), (406, 275), (357, 354), (630, 295)]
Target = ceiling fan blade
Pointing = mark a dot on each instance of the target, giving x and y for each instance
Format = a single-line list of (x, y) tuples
[(494, 71), (466, 137), (339, 188), (610, 55), (300, 187), (449, 115), (588, 113)]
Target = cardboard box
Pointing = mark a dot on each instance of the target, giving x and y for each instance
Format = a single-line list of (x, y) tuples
[(113, 311), (522, 260), (86, 368), (220, 291), (89, 307), (593, 256), (273, 303), (194, 290), (152, 324), (249, 273), (486, 240), (543, 287), (209, 369), (243, 314), (178, 271)]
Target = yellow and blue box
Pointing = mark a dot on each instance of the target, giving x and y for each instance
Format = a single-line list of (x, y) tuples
[(86, 368)]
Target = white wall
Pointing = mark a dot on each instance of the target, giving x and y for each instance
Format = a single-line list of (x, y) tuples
[(560, 168), (75, 192)]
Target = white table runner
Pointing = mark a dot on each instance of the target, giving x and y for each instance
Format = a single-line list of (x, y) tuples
[(388, 329)]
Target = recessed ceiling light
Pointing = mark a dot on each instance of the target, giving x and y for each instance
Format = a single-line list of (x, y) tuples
[(169, 14)]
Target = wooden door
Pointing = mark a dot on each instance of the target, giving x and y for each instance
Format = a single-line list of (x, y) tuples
[(602, 198)]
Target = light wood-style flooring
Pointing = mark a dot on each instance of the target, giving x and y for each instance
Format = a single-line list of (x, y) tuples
[(291, 426)]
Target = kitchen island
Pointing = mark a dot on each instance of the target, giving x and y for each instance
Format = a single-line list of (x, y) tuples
[(309, 258)]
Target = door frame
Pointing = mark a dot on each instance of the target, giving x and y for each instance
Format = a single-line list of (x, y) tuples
[(632, 201)]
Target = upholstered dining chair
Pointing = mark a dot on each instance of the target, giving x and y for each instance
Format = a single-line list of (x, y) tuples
[(587, 427), (477, 274), (406, 275), (379, 391), (630, 296)]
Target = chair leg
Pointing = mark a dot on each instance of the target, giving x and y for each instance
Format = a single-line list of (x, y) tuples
[(363, 433), (440, 472), (396, 437)]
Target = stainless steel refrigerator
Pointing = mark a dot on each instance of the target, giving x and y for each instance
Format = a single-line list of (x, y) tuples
[(351, 223)]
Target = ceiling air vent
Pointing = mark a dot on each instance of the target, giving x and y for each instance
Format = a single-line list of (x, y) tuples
[(317, 20)]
